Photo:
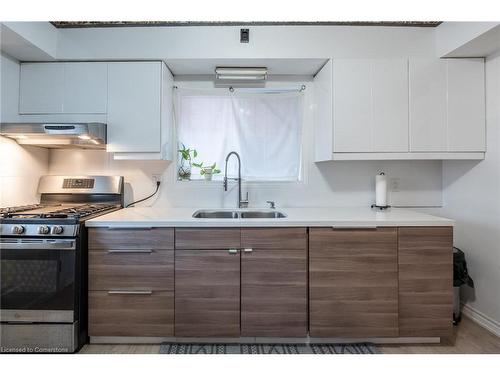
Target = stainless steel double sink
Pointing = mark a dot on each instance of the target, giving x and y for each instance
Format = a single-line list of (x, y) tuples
[(238, 214)]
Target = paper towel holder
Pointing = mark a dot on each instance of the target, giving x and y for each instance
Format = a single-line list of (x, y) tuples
[(385, 206)]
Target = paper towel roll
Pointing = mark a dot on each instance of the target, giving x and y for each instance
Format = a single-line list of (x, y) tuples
[(381, 190)]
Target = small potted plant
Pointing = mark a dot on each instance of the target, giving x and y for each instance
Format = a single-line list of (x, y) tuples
[(207, 171), (186, 156)]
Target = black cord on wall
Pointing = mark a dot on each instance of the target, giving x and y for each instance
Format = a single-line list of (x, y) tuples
[(149, 196)]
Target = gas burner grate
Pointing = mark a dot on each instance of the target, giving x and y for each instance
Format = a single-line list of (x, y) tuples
[(80, 211), (14, 209)]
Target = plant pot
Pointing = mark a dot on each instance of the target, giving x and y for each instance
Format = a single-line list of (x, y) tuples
[(184, 171), (207, 173)]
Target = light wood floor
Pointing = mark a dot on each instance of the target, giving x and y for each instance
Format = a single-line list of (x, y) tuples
[(468, 338)]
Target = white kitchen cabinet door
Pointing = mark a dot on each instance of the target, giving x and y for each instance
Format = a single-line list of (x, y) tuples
[(323, 113), (428, 118), (85, 87), (134, 107), (352, 106), (41, 88), (370, 105), (466, 105), (389, 86)]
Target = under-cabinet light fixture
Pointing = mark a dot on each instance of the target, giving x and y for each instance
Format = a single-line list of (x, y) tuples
[(258, 74)]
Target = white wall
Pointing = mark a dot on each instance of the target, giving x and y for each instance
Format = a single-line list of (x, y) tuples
[(325, 184), (20, 167), (224, 42), (471, 197)]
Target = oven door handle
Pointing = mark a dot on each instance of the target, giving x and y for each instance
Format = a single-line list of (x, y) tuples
[(22, 244)]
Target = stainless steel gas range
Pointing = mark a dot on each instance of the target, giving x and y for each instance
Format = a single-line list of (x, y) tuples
[(43, 267)]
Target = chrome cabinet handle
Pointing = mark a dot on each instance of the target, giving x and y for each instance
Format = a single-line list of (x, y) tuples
[(248, 250), (139, 292), (131, 251), (354, 227), (233, 251), (129, 228)]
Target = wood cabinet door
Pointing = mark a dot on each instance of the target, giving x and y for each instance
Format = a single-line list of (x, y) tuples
[(207, 293), (353, 282), (274, 292), (425, 281)]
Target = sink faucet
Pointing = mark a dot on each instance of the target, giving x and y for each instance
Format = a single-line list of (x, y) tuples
[(241, 203)]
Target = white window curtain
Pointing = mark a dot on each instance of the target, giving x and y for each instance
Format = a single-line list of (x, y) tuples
[(265, 129)]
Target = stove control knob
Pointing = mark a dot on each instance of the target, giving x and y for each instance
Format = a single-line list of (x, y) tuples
[(43, 229), (57, 229), (17, 229)]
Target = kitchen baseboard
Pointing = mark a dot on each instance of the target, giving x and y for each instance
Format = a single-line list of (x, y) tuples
[(263, 340), (483, 320)]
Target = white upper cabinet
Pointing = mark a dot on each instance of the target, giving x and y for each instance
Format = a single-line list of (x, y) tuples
[(41, 88), (133, 98), (428, 105), (63, 88), (399, 109), (139, 124), (466, 105), (323, 113), (352, 106), (447, 105), (85, 87), (389, 105), (370, 105)]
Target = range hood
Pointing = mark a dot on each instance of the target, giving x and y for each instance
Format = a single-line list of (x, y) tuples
[(57, 135)]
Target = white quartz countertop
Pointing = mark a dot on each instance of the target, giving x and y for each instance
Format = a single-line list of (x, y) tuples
[(303, 217)]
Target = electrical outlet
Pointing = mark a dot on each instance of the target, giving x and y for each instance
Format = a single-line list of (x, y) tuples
[(156, 178), (395, 184)]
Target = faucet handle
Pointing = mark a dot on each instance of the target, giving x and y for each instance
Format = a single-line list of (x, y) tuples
[(244, 202), (272, 204)]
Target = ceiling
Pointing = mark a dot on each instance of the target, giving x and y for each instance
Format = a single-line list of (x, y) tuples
[(86, 24)]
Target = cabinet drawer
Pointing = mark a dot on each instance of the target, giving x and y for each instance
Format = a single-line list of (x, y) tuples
[(150, 314), (131, 238), (207, 238), (274, 238), (123, 269)]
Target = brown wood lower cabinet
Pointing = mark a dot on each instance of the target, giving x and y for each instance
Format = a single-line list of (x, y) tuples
[(207, 293), (274, 293), (353, 281), (131, 282), (126, 313), (257, 282), (425, 281), (274, 282)]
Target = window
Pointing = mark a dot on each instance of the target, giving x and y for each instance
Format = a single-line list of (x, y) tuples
[(264, 128)]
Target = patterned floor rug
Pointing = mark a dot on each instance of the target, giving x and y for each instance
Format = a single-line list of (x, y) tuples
[(192, 348)]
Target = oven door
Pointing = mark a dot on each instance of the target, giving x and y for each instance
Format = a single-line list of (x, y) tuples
[(37, 279)]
